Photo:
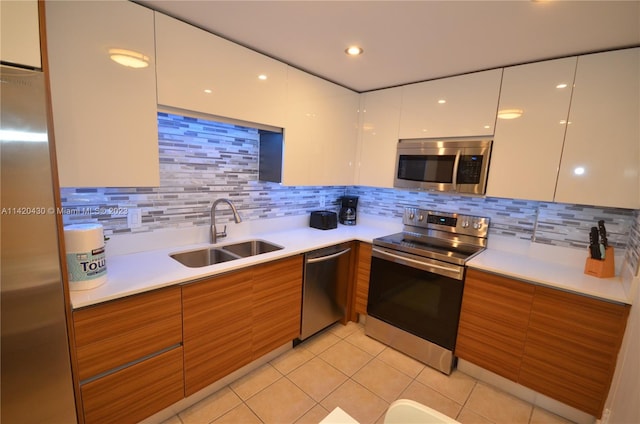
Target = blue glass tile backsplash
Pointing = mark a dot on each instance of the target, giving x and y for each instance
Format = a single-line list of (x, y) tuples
[(203, 160)]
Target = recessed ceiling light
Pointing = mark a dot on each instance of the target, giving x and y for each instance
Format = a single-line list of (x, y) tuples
[(442, 101), (208, 90), (129, 58), (510, 113), (354, 51), (563, 85), (262, 77)]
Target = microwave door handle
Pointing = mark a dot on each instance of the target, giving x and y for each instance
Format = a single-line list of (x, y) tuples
[(456, 162)]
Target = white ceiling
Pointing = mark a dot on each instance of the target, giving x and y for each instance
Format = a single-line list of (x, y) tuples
[(410, 41)]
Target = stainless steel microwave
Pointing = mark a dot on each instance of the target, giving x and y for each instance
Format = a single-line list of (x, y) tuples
[(458, 165)]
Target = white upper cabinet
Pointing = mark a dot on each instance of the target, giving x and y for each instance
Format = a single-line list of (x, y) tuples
[(451, 107), (20, 33), (202, 72), (527, 149), (379, 125), (601, 157), (320, 132), (105, 114)]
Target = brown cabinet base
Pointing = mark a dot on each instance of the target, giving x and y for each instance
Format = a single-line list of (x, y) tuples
[(563, 345), (234, 318)]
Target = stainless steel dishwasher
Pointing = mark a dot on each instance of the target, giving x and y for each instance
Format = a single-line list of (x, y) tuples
[(324, 291)]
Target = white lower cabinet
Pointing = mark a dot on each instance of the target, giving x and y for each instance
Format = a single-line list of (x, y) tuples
[(601, 157), (379, 125), (104, 113), (526, 150)]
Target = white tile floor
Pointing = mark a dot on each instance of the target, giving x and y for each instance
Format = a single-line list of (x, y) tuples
[(343, 367)]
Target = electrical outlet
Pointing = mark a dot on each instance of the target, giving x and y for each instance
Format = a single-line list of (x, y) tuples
[(134, 218)]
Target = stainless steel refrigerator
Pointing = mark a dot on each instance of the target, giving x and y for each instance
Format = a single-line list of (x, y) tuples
[(36, 383)]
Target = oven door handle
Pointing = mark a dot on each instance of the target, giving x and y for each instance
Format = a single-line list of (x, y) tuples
[(454, 272)]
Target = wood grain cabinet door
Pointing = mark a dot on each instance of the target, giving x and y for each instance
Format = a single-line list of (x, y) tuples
[(572, 347), (363, 272), (277, 297), (217, 328), (493, 322), (115, 333)]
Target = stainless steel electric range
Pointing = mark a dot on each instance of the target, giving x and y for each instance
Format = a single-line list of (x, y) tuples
[(416, 283)]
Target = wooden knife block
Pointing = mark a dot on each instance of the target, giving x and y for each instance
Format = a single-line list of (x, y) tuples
[(601, 268)]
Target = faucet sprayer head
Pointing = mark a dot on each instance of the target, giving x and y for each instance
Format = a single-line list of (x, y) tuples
[(236, 216)]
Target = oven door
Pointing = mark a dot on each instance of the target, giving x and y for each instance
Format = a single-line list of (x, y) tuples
[(418, 295)]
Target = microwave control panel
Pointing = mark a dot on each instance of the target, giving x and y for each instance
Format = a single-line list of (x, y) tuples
[(469, 169)]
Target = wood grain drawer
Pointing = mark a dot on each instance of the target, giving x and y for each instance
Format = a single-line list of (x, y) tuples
[(116, 333), (135, 392)]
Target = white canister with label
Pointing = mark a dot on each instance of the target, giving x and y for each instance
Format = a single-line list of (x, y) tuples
[(86, 262)]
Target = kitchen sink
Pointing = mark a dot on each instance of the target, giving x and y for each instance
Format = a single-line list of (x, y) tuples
[(219, 254), (204, 257), (251, 248)]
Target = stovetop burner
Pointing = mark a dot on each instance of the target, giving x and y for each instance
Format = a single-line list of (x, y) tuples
[(448, 237)]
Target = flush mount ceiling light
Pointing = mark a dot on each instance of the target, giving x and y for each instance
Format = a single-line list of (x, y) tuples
[(354, 51), (129, 58), (510, 113)]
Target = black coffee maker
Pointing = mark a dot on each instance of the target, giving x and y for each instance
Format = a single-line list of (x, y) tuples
[(347, 215)]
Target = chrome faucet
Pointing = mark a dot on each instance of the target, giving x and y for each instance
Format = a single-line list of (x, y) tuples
[(236, 216)]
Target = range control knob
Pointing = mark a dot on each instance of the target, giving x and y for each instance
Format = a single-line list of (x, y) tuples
[(465, 224), (421, 218), (412, 215)]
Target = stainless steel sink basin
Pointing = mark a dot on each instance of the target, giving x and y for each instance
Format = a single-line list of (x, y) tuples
[(219, 254), (251, 248), (204, 257)]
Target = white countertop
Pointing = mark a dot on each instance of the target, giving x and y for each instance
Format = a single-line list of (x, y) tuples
[(137, 272), (136, 264), (552, 266)]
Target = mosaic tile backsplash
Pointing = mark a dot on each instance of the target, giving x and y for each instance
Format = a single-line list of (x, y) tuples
[(201, 161)]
